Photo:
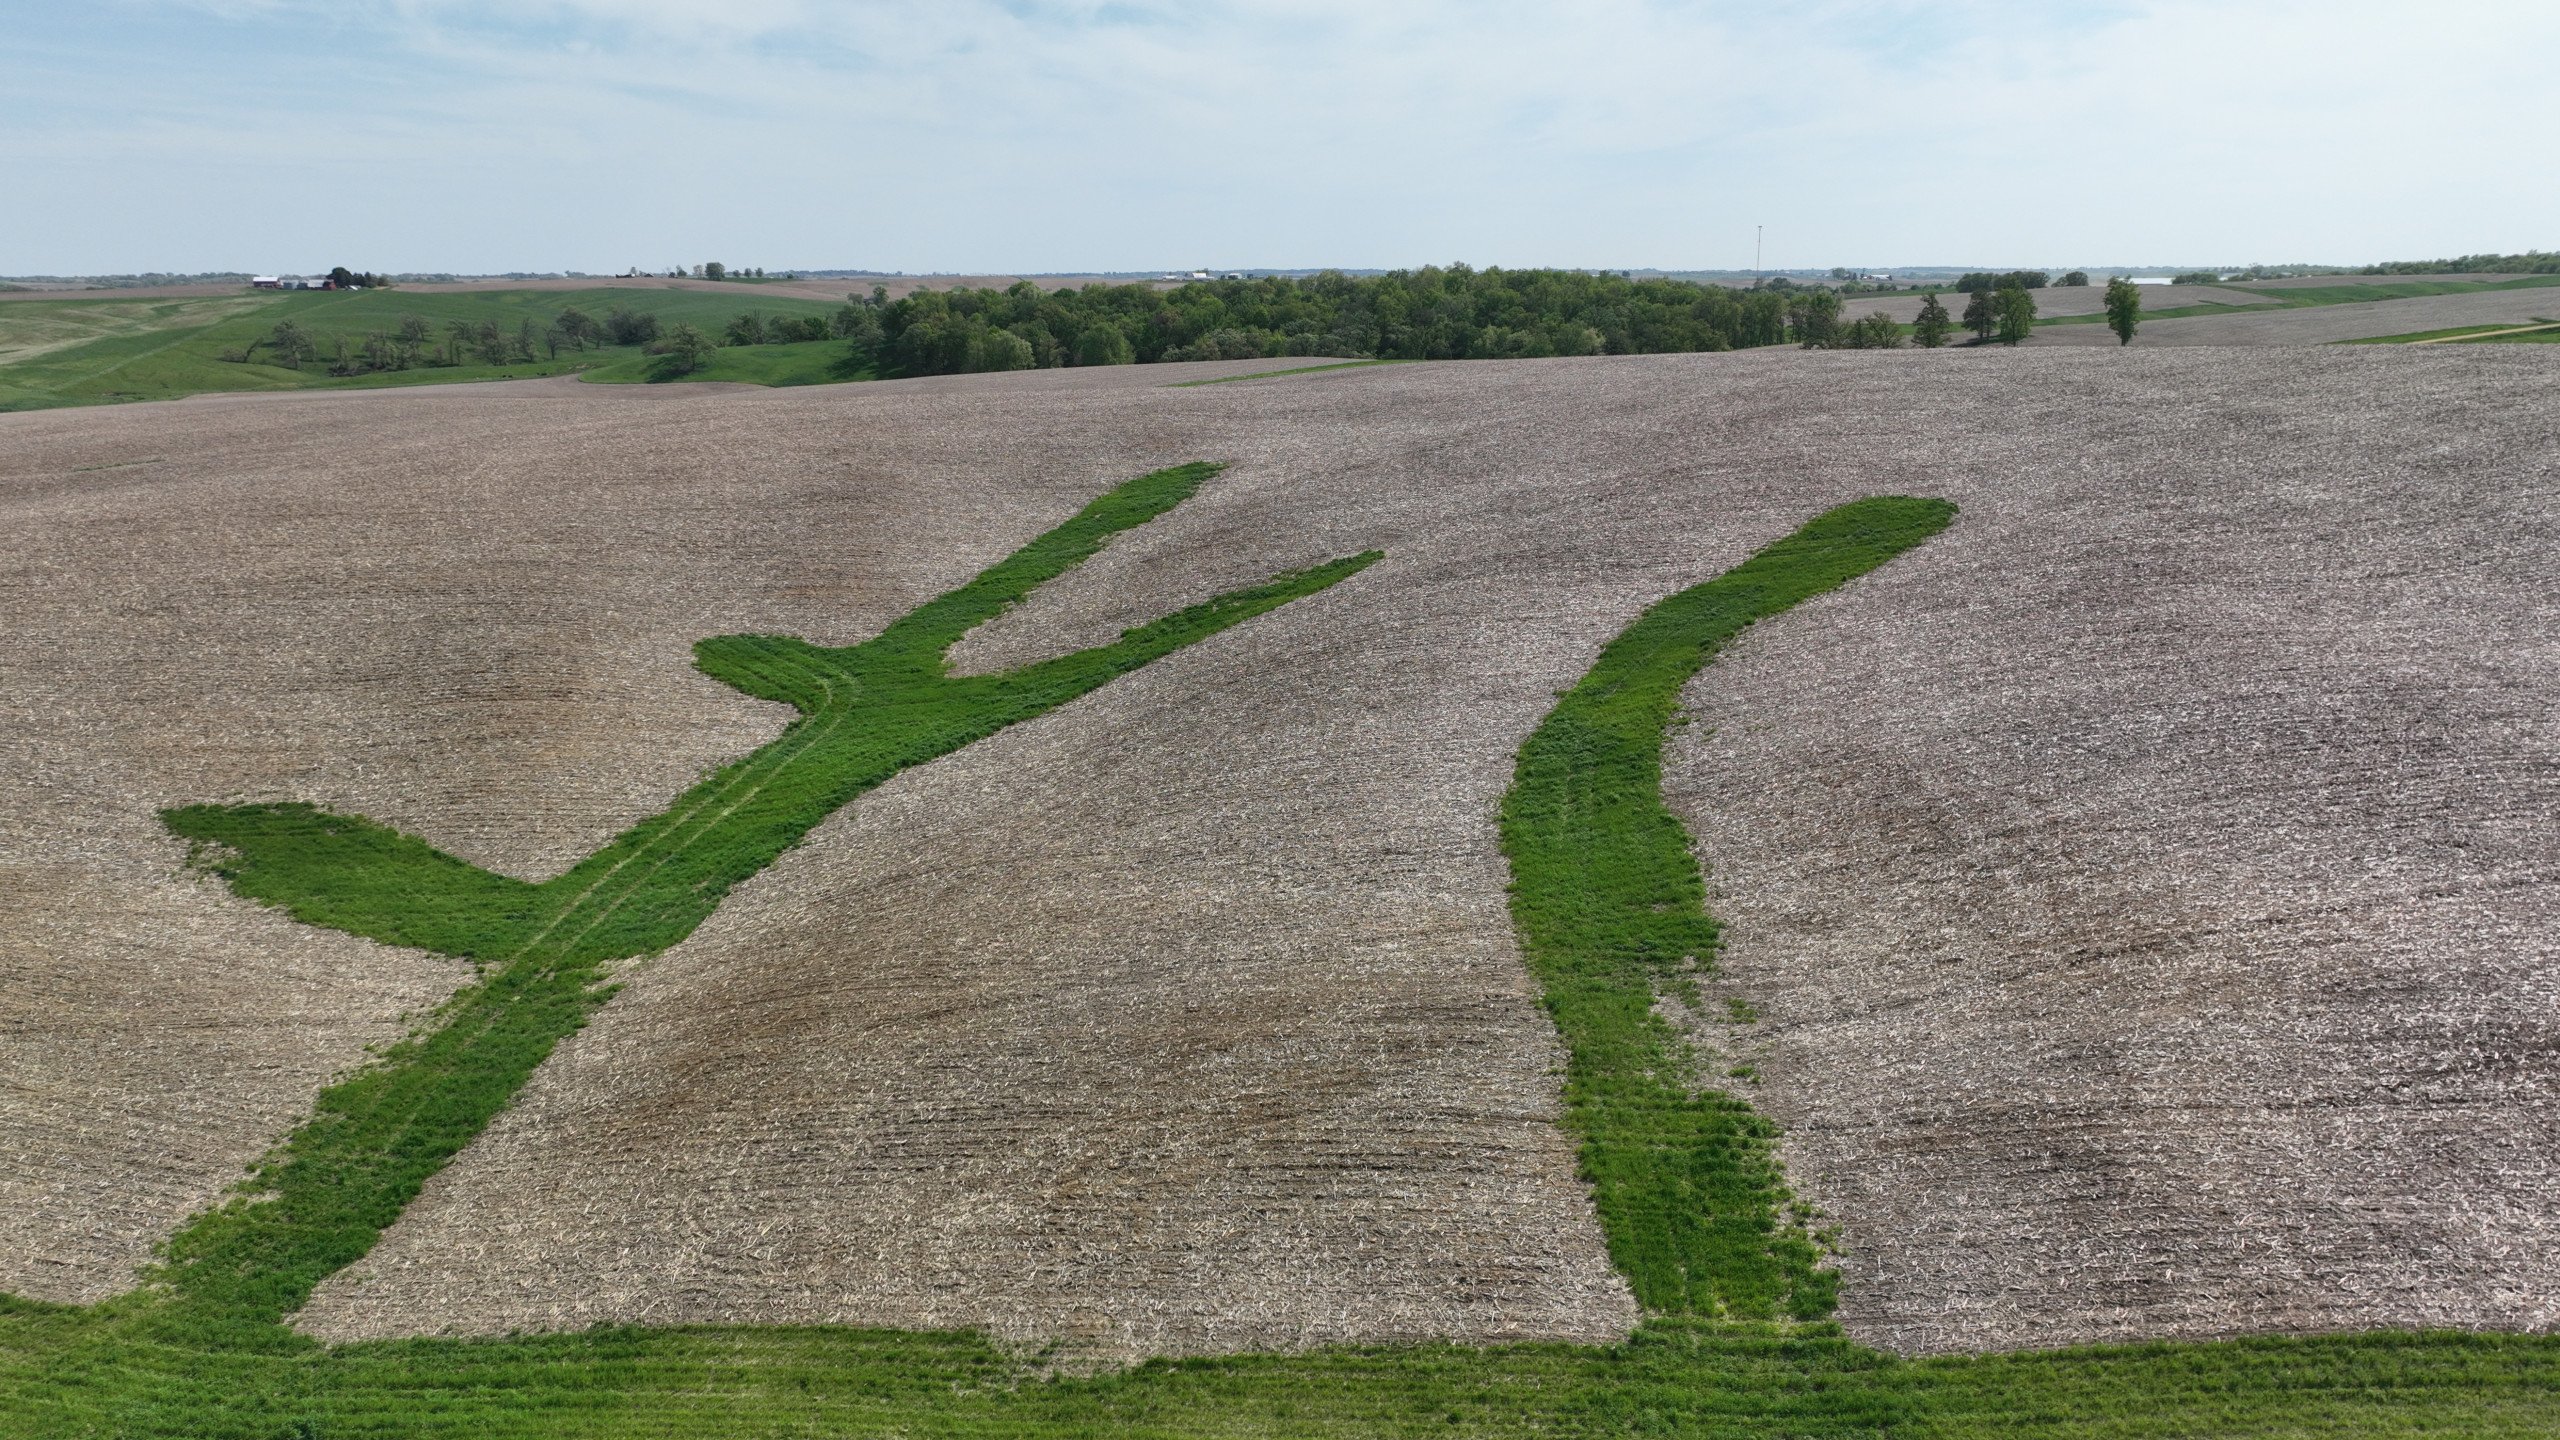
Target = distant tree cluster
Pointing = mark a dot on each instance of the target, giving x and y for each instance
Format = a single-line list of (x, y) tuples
[(1813, 319), (714, 270), (1433, 313), (2283, 272), (755, 329), (1983, 282), (346, 279), (414, 343), (2197, 277), (2006, 314), (2075, 278), (2531, 262)]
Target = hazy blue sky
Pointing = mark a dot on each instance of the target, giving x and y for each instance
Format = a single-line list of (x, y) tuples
[(1009, 135)]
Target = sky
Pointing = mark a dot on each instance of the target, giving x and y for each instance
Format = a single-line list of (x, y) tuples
[(1063, 136)]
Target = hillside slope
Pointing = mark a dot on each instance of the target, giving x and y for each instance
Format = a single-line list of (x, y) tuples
[(1188, 1017)]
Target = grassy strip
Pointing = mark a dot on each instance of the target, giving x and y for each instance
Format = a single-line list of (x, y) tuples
[(2174, 312), (1272, 374), (867, 712), (1611, 911), (2413, 336), (67, 1373)]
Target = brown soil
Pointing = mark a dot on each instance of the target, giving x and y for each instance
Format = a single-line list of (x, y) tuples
[(2148, 887)]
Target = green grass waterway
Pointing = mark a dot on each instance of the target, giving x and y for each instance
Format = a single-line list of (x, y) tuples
[(1609, 904), (867, 712)]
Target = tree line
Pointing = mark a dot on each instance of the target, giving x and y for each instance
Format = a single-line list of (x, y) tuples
[(1435, 313), (1429, 314), (415, 343), (2531, 262), (1983, 282)]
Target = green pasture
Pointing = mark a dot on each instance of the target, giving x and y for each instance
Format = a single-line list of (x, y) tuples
[(81, 352)]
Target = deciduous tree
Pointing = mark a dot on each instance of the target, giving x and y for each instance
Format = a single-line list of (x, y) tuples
[(1877, 331), (630, 327), (2124, 308), (1814, 315), (1981, 316), (684, 351), (1104, 345), (291, 344), (2017, 313), (1931, 329)]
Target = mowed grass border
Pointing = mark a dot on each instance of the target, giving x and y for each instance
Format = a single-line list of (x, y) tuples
[(1610, 907), (68, 1375)]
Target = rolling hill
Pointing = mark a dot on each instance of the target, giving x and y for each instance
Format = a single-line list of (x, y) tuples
[(2136, 900)]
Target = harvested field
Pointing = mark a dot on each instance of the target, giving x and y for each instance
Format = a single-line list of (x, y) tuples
[(2053, 300), (1188, 1017), (2321, 324)]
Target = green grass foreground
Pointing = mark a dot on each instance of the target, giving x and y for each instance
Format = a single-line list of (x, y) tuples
[(73, 1375)]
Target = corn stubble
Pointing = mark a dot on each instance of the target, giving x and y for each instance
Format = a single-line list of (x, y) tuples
[(2129, 497)]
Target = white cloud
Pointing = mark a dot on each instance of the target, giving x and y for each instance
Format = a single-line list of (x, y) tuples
[(1059, 134)]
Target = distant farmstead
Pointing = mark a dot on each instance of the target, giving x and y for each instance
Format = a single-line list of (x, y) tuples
[(290, 282)]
